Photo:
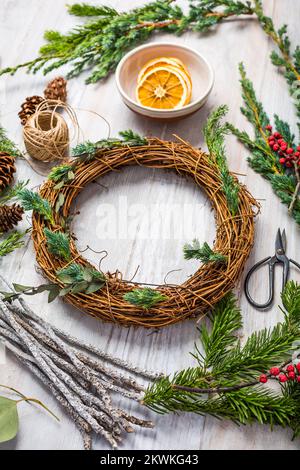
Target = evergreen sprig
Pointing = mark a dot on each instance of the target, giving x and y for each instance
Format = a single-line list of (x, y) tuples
[(33, 201), (79, 278), (6, 145), (145, 298), (58, 244), (203, 253), (262, 158), (228, 371), (127, 138), (214, 133), (11, 192), (12, 241), (61, 175), (99, 44)]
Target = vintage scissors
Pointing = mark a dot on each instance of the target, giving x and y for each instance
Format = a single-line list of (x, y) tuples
[(271, 261)]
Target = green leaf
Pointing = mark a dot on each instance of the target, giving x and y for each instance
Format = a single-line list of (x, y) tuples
[(145, 298), (79, 287), (60, 202), (9, 421), (53, 293), (94, 287), (20, 287), (59, 185)]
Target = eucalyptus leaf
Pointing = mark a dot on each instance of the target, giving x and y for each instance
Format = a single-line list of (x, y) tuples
[(71, 175), (59, 185), (21, 288), (87, 275), (65, 278), (79, 287), (53, 293), (60, 202), (9, 420), (93, 287), (65, 291)]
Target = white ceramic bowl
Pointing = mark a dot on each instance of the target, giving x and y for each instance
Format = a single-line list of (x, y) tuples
[(201, 72)]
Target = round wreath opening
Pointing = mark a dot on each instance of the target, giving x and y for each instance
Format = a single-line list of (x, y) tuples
[(197, 295)]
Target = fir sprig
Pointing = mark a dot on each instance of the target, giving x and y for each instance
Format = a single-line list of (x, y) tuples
[(203, 253), (145, 298), (127, 138), (11, 192), (13, 241), (214, 133), (229, 370), (6, 145), (99, 44), (61, 175), (58, 244), (33, 201), (263, 159)]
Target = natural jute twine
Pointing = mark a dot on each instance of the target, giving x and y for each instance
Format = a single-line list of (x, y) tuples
[(46, 133), (196, 296)]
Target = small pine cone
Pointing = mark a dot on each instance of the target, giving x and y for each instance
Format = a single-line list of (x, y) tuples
[(29, 107), (7, 169), (56, 90), (10, 216)]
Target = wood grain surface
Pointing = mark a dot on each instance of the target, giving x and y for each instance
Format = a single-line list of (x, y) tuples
[(143, 199)]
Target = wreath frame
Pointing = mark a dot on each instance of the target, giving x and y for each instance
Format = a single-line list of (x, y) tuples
[(206, 287)]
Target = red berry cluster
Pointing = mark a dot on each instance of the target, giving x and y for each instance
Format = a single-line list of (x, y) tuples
[(287, 155), (291, 372)]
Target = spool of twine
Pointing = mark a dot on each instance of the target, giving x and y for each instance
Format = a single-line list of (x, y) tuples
[(46, 133)]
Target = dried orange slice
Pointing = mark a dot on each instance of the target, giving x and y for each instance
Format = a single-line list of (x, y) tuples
[(163, 88), (161, 62)]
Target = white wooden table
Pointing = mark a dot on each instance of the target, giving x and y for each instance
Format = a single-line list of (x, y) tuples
[(22, 26)]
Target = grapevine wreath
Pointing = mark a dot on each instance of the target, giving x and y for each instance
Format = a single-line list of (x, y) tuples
[(111, 299)]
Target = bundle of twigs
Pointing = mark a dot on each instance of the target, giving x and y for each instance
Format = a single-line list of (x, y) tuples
[(234, 238), (76, 374)]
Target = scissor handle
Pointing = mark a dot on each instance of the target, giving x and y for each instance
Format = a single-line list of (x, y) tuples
[(295, 263), (271, 283)]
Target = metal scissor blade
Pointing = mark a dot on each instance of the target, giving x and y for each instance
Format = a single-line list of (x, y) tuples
[(280, 244)]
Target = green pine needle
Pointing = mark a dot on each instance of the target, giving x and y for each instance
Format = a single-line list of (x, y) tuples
[(33, 201), (145, 298), (61, 172), (203, 253), (58, 244), (214, 133), (6, 145), (13, 241)]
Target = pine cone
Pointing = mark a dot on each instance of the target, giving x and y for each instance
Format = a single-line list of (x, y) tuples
[(29, 107), (7, 169), (10, 216), (56, 90)]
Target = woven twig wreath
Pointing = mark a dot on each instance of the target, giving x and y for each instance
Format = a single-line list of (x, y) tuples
[(234, 237)]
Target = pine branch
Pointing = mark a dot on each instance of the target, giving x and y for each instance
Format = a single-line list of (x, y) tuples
[(228, 372), (58, 244), (204, 253), (87, 150), (100, 43), (145, 298), (13, 241), (214, 133), (11, 192), (263, 159), (6, 145), (33, 201)]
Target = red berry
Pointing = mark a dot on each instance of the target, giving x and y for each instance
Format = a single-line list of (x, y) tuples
[(283, 147), (298, 378), (291, 375), (269, 127), (281, 141), (282, 161), (275, 147), (298, 367), (290, 368), (289, 165), (282, 378), (298, 148), (271, 138), (274, 371), (290, 151), (297, 154), (263, 378), (277, 135)]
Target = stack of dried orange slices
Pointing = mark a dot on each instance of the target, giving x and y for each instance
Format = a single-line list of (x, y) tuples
[(164, 83)]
